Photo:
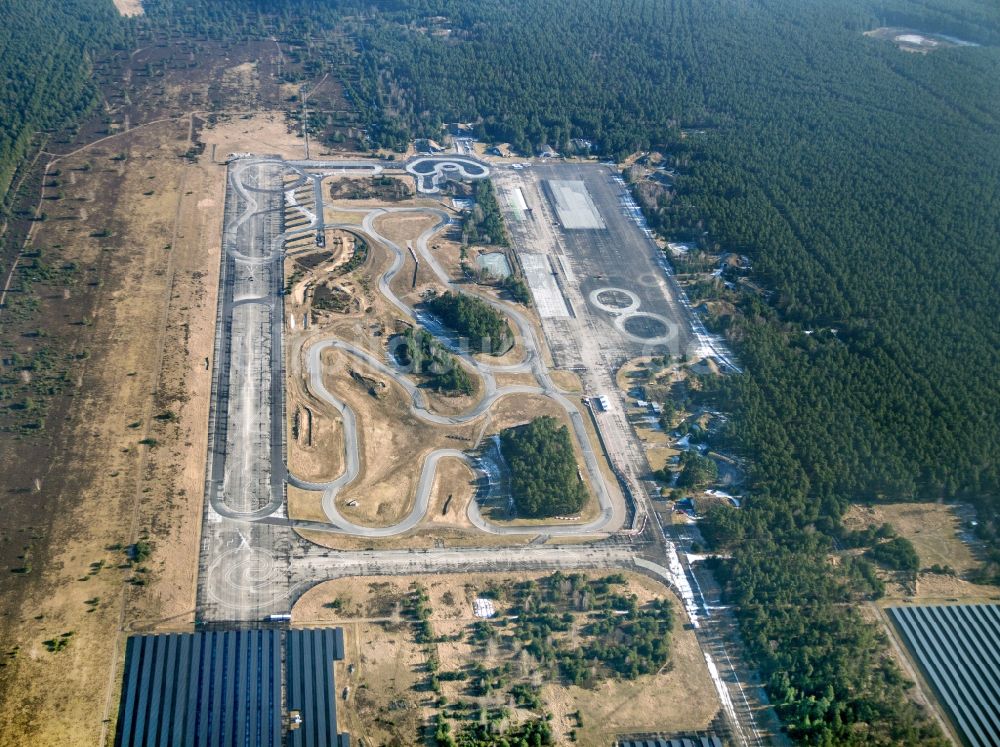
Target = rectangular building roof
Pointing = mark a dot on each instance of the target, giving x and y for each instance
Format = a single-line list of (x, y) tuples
[(212, 688), (309, 657)]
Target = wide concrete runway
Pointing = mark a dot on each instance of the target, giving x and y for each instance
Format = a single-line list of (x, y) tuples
[(245, 472), (604, 265)]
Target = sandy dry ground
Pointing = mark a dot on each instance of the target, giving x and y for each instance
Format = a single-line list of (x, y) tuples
[(393, 442), (316, 453), (129, 8), (401, 227), (315, 436), (567, 381), (304, 504), (147, 379), (333, 216), (932, 527), (387, 663), (936, 531), (264, 132), (515, 379)]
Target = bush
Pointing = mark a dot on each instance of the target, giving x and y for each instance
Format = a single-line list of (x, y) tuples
[(485, 224), (896, 554), (484, 327), (424, 356), (141, 551), (517, 289), (697, 470)]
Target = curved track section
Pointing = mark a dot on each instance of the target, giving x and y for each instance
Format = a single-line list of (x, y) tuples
[(431, 171), (246, 474)]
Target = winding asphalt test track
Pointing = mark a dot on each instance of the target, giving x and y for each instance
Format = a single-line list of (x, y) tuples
[(611, 516), (237, 472), (252, 566)]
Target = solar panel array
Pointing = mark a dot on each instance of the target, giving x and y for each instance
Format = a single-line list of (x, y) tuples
[(216, 688), (309, 657), (211, 688), (673, 742), (958, 648)]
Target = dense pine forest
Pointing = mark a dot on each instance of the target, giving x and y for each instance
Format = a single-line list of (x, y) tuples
[(481, 327), (544, 477), (863, 182), (47, 51), (419, 353)]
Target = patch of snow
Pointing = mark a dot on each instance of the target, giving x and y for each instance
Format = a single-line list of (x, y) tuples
[(484, 608)]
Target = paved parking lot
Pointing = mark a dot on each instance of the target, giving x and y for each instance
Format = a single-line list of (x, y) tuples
[(605, 266)]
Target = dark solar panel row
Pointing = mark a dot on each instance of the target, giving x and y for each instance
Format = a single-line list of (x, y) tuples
[(208, 689), (674, 742), (310, 687), (958, 647)]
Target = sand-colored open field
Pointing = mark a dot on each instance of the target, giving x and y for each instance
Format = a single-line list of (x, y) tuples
[(385, 669), (393, 441), (393, 446), (567, 381), (129, 8), (142, 226), (940, 535), (262, 132), (149, 333)]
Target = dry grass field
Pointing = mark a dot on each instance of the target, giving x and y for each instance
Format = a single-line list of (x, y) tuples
[(129, 8), (141, 226), (121, 319), (148, 225), (936, 531), (393, 441), (385, 670)]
